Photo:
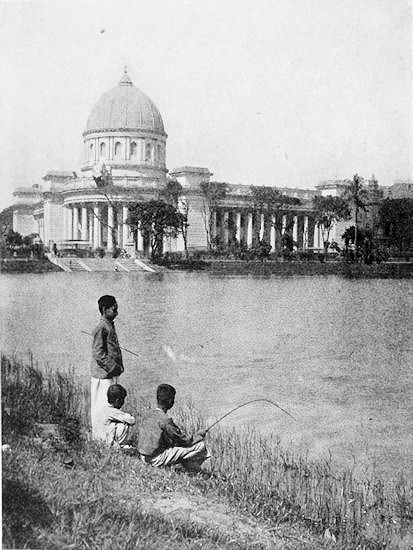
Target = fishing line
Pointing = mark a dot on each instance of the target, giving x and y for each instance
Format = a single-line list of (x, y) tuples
[(124, 349), (248, 403)]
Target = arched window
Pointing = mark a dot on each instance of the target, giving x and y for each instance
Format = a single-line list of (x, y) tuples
[(102, 150), (148, 152), (159, 152), (91, 152), (118, 149), (133, 149)]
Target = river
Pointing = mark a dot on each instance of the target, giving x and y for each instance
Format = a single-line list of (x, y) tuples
[(336, 353)]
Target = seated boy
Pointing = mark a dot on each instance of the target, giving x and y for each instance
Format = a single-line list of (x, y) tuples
[(111, 424), (163, 443)]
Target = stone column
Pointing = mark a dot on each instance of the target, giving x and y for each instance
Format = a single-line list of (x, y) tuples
[(65, 216), (84, 223), (295, 230), (96, 226), (69, 223), (90, 227), (75, 223), (139, 241), (262, 221), (272, 233), (110, 228), (284, 224), (125, 227), (316, 236), (126, 152), (305, 233), (119, 228), (238, 226), (249, 230)]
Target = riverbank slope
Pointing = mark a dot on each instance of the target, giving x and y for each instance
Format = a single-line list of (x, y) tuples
[(62, 491)]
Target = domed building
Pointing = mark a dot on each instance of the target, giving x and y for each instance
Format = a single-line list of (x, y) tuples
[(125, 162)]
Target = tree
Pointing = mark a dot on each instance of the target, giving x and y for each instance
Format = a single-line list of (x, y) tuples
[(356, 195), (13, 239), (328, 211), (173, 194), (396, 219), (213, 193), (270, 202), (156, 219)]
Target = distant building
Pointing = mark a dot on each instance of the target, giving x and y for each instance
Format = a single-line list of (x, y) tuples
[(125, 161), (401, 189)]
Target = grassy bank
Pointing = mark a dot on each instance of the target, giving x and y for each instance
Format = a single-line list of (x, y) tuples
[(96, 502), (25, 265)]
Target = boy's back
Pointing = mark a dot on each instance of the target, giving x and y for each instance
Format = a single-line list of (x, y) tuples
[(159, 432)]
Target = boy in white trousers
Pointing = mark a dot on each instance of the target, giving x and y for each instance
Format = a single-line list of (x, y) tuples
[(111, 423), (107, 364)]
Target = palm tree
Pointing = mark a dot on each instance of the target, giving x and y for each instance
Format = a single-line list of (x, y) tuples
[(356, 195)]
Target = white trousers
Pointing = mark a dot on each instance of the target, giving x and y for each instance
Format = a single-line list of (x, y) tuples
[(117, 434), (99, 398), (190, 457)]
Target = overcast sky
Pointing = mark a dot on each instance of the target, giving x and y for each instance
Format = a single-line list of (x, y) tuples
[(281, 92)]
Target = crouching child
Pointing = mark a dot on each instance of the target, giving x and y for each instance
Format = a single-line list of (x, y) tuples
[(163, 443), (112, 424)]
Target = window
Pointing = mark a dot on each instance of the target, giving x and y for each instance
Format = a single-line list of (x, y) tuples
[(118, 149), (148, 152), (103, 150), (133, 149), (159, 152), (91, 152)]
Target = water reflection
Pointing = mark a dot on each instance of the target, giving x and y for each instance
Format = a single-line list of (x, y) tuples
[(334, 352)]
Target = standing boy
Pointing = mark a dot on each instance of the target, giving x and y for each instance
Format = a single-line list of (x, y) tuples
[(107, 362), (163, 443)]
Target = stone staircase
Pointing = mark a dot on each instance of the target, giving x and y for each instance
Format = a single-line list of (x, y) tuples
[(70, 264), (125, 265), (130, 264), (100, 264)]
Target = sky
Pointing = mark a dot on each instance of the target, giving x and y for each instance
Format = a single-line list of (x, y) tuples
[(261, 92)]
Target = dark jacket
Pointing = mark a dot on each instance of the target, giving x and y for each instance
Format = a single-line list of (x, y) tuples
[(106, 354), (159, 432)]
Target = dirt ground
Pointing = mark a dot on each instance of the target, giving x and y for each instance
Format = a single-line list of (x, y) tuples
[(241, 529)]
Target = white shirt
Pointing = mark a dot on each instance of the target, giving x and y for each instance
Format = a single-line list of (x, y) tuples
[(106, 420)]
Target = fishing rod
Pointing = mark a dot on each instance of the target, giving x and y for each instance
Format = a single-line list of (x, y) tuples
[(124, 349), (243, 405)]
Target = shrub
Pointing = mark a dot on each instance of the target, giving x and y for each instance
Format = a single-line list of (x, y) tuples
[(100, 252)]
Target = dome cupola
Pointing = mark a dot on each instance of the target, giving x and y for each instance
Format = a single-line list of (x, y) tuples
[(124, 107), (125, 132)]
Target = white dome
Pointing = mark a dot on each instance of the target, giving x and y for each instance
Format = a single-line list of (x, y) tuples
[(124, 107)]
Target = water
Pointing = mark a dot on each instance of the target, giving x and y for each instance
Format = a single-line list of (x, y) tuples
[(337, 354)]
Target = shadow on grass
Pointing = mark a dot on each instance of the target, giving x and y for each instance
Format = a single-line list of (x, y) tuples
[(24, 510)]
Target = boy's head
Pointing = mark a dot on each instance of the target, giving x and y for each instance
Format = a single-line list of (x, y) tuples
[(165, 395), (116, 395), (108, 306)]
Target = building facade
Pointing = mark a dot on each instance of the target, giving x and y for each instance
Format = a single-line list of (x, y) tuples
[(125, 162)]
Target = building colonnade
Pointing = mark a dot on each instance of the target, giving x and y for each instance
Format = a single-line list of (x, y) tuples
[(98, 225), (230, 226), (104, 225)]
